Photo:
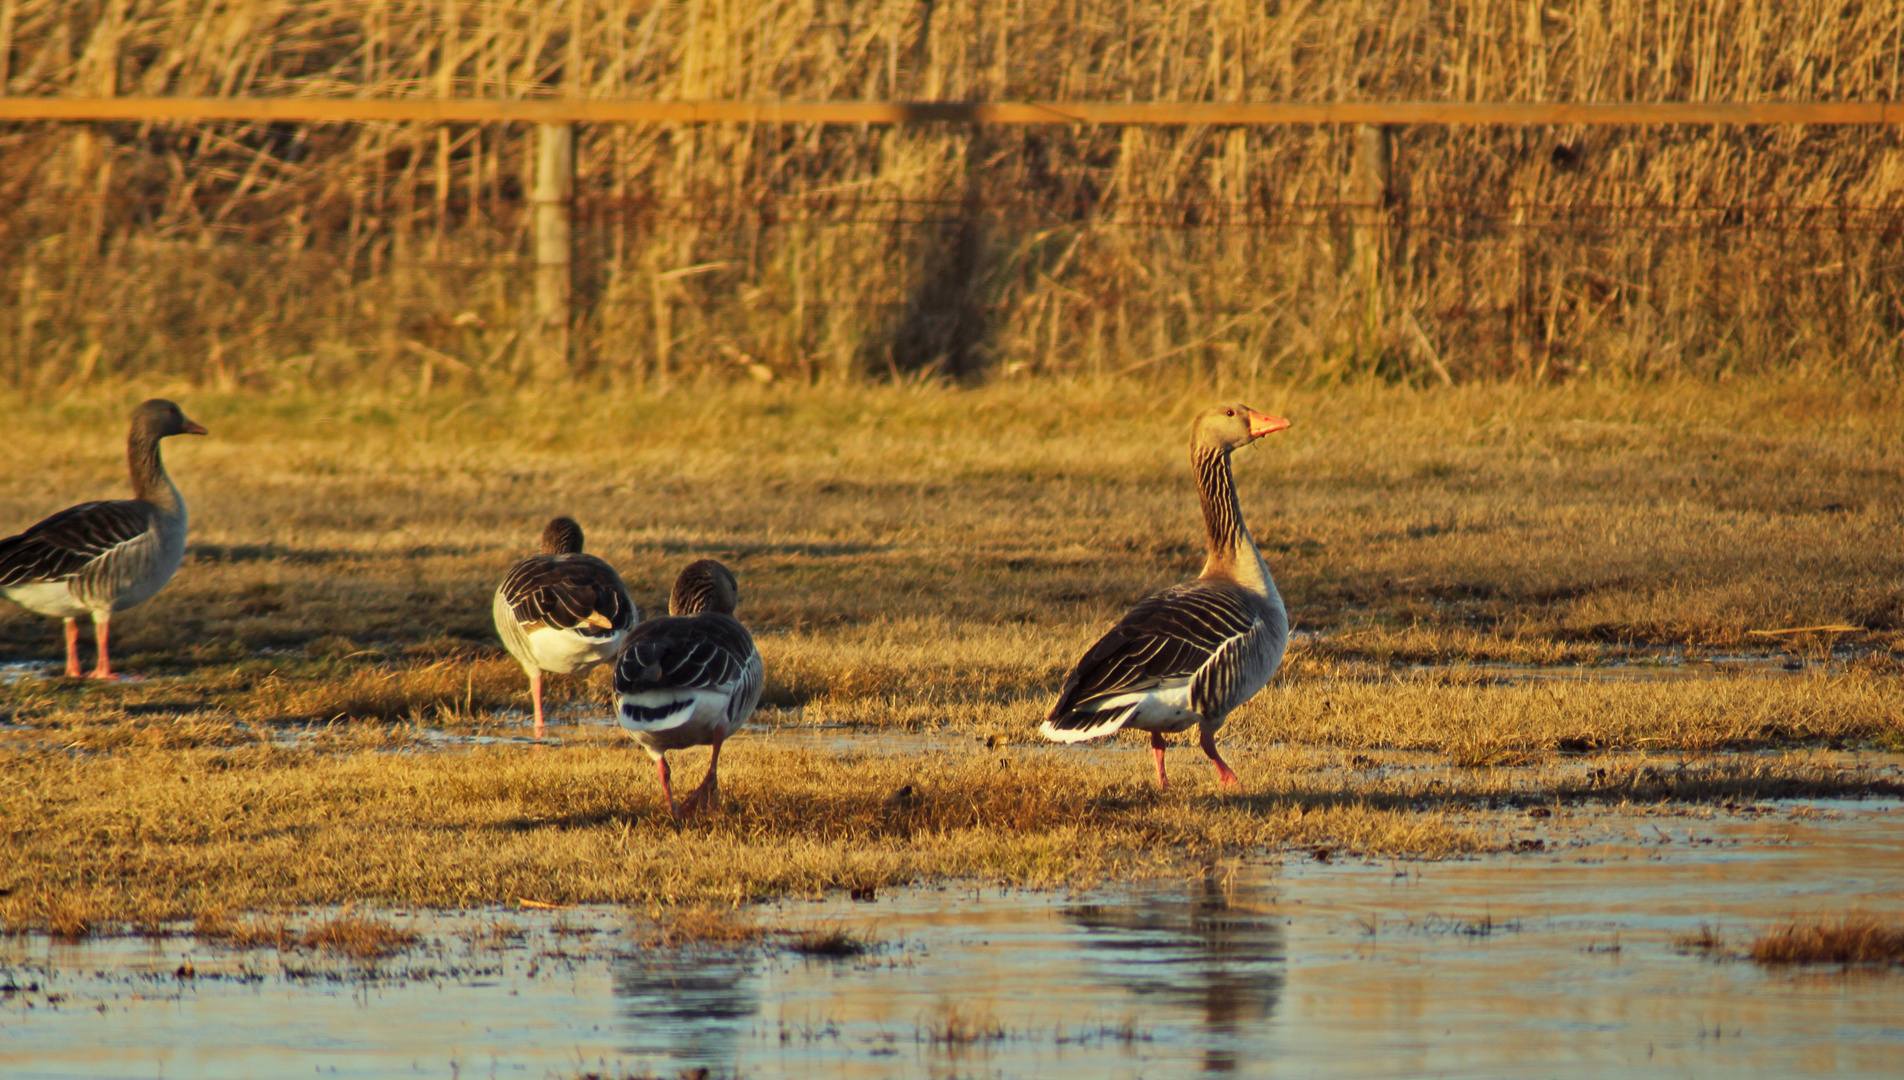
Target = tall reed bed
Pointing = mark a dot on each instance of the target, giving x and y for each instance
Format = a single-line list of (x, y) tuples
[(264, 255)]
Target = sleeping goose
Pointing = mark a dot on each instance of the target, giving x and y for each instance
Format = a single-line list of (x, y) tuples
[(561, 610), (690, 679), (100, 557), (1187, 656)]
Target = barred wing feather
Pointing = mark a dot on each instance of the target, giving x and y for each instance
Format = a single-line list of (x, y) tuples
[(1161, 644), (672, 664), (63, 545), (568, 592)]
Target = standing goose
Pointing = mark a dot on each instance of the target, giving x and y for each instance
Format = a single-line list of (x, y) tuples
[(690, 679), (561, 610), (100, 557), (1189, 655)]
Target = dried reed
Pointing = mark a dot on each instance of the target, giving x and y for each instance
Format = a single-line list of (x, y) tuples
[(268, 255)]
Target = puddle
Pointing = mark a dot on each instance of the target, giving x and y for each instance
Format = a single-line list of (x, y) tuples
[(17, 670), (1559, 964)]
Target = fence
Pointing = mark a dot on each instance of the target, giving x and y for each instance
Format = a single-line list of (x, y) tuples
[(1376, 228), (961, 188)]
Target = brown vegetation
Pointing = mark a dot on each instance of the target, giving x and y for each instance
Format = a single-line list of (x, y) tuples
[(1851, 939), (276, 255), (830, 942), (357, 937)]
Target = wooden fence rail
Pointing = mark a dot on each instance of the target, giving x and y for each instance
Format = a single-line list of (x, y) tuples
[(550, 111)]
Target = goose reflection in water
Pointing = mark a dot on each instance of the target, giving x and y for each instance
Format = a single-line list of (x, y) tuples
[(690, 1008), (1214, 954)]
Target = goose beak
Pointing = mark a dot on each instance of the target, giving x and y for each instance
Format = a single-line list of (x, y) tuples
[(1261, 425), (195, 428)]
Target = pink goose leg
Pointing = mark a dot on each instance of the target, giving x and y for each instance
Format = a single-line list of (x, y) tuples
[(1224, 775), (535, 692), (72, 649), (709, 793), (104, 668), (667, 788)]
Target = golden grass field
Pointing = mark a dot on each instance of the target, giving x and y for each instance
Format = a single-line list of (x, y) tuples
[(921, 566)]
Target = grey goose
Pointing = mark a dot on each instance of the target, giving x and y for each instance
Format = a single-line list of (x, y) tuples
[(100, 557), (1189, 655), (690, 679), (561, 610)]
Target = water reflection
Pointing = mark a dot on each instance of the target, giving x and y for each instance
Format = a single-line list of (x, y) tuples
[(689, 1008), (1214, 951)]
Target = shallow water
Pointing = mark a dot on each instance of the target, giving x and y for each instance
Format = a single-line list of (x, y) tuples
[(1558, 963)]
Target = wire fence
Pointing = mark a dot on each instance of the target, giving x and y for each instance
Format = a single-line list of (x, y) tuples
[(275, 247)]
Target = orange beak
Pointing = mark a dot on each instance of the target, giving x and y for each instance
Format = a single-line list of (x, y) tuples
[(1261, 425), (192, 428)]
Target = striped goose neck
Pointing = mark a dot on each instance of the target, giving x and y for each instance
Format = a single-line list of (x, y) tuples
[(704, 586), (149, 480), (1232, 553)]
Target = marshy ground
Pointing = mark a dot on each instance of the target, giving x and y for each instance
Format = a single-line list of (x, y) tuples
[(327, 717)]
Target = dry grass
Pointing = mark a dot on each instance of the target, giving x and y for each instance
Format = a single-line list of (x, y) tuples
[(1706, 941), (960, 1027), (1852, 939), (925, 564), (830, 942), (273, 256), (346, 933), (268, 827), (358, 937), (703, 924)]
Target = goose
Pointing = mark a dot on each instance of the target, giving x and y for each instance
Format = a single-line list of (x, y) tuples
[(690, 679), (1189, 655), (100, 557), (561, 610)]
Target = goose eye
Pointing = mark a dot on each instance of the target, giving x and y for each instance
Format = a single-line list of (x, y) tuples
[(1229, 412)]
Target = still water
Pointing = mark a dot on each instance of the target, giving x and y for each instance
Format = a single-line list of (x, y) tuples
[(1558, 963)]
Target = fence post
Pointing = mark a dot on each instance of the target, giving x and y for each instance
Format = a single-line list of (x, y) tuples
[(1368, 187), (554, 186)]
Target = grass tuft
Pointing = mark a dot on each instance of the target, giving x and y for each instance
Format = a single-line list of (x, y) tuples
[(702, 924), (72, 918), (1705, 940), (1852, 939), (358, 937), (958, 1027), (830, 942)]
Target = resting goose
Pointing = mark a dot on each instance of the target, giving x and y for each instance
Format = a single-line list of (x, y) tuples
[(690, 679), (561, 610), (100, 557), (1187, 656)]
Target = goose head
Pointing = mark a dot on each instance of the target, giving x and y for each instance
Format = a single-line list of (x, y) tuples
[(158, 418), (705, 585), (562, 536), (1228, 427)]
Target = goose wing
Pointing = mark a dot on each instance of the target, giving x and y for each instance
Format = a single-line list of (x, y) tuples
[(568, 592), (671, 663), (1187, 638), (63, 545), (697, 652)]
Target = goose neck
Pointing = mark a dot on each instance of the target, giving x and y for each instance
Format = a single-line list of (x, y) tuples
[(149, 480), (1232, 550)]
